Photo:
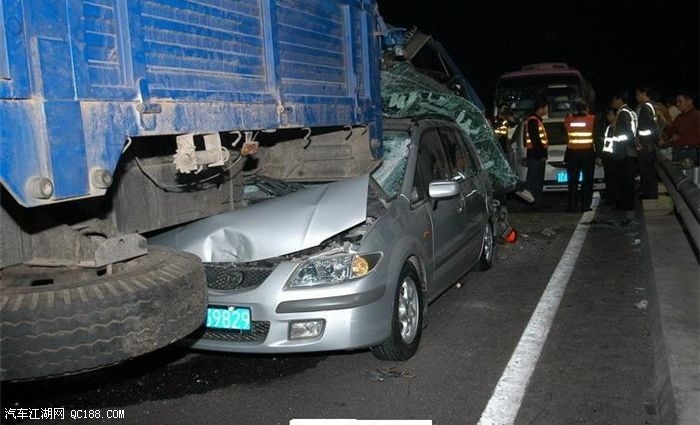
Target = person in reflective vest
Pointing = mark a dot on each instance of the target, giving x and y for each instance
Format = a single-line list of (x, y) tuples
[(647, 139), (579, 157), (606, 157), (624, 151), (502, 124), (536, 144)]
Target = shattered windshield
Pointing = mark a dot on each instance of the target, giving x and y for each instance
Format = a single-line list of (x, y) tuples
[(408, 93), (389, 175)]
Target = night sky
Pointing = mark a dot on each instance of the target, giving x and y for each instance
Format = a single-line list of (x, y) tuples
[(617, 45)]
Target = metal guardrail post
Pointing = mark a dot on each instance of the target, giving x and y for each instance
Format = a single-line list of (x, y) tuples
[(685, 194)]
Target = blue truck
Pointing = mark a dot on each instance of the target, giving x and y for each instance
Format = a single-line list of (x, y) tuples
[(119, 118)]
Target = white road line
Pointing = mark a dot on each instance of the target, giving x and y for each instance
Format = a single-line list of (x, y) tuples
[(507, 397)]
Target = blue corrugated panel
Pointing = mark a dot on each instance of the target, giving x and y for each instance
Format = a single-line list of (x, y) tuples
[(311, 47), (14, 72), (104, 51), (195, 49), (4, 62), (209, 65)]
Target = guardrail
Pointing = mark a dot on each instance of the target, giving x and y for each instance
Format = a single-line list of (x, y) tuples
[(685, 194)]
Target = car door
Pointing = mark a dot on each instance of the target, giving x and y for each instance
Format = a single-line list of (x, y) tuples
[(447, 214), (464, 170)]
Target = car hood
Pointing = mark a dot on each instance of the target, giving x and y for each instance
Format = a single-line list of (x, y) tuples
[(274, 227)]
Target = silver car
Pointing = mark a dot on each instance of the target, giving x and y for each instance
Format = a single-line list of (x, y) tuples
[(348, 264)]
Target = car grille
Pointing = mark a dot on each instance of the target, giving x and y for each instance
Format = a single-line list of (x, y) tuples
[(258, 333), (232, 276)]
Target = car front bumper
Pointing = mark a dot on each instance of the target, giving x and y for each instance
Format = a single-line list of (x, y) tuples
[(356, 314)]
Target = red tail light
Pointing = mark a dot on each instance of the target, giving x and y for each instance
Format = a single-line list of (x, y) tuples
[(511, 235)]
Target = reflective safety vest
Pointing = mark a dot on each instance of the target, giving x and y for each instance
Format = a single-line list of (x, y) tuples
[(540, 130), (644, 132), (580, 131), (633, 123), (608, 140), (502, 129)]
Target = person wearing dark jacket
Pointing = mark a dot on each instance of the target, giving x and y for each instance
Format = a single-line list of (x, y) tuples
[(579, 157), (624, 152), (536, 145), (684, 131), (647, 139)]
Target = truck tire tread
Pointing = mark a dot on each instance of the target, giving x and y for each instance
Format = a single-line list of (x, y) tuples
[(46, 331)]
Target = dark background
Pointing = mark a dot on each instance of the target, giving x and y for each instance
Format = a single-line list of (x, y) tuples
[(617, 45)]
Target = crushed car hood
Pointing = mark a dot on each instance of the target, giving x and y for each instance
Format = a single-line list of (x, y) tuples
[(274, 227)]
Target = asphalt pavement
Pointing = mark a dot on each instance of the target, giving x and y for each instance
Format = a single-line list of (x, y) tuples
[(595, 366)]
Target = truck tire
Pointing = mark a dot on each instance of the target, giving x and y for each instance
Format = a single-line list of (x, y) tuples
[(51, 325)]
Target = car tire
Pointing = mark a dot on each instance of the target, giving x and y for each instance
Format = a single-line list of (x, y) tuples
[(406, 319), (81, 322), (488, 250)]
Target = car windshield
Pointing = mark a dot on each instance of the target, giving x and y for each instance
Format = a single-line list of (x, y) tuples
[(389, 175)]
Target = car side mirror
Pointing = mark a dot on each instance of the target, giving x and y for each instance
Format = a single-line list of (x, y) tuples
[(443, 189)]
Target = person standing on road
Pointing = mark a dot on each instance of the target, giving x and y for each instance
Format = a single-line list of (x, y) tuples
[(684, 131), (501, 126), (673, 110), (606, 157), (579, 157), (647, 139), (536, 145), (624, 151), (663, 118)]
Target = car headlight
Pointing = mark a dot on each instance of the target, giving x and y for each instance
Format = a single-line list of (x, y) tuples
[(331, 270)]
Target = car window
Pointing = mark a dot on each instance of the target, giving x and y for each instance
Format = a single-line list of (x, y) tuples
[(431, 159), (459, 158), (389, 175)]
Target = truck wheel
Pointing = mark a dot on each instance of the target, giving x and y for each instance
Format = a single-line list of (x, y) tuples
[(59, 321), (406, 319)]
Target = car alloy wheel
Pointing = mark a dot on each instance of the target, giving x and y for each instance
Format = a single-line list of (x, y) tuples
[(408, 309), (406, 318)]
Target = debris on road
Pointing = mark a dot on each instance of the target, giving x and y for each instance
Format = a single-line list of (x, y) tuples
[(502, 255), (549, 232), (643, 304), (526, 195), (379, 375)]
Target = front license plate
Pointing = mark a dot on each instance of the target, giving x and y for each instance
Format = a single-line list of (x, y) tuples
[(229, 318), (563, 178)]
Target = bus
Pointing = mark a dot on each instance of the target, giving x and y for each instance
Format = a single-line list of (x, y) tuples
[(563, 86)]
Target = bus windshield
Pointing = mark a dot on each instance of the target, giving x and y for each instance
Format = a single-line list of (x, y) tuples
[(520, 93)]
